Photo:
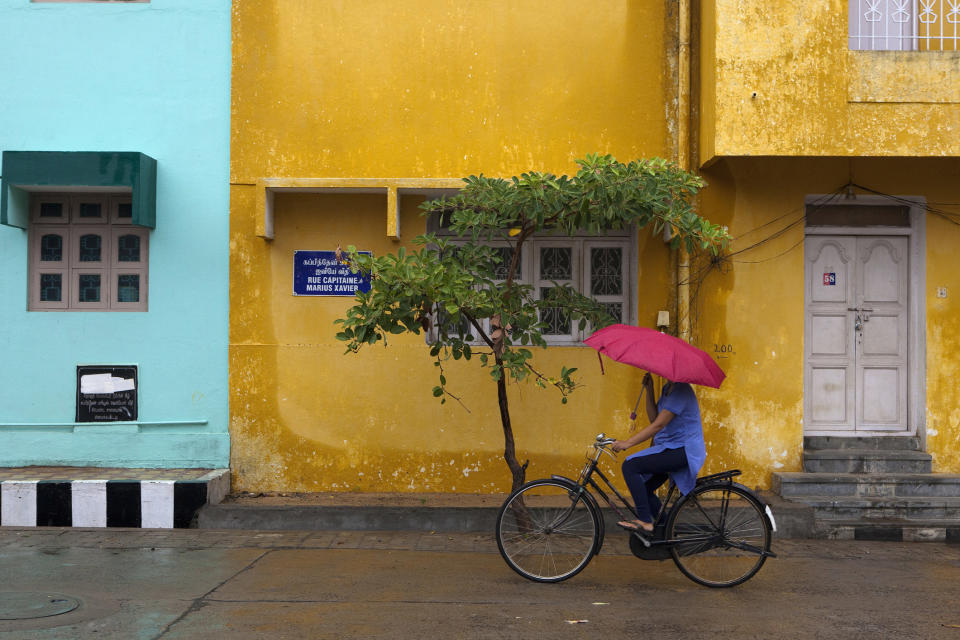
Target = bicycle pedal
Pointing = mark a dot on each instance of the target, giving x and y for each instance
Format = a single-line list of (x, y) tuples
[(641, 538)]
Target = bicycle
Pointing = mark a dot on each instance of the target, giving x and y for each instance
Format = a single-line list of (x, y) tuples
[(718, 535)]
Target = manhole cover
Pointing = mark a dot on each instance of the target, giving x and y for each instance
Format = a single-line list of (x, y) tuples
[(22, 605)]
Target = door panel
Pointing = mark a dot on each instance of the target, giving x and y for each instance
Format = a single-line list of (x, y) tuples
[(856, 333), (830, 376), (882, 336), (832, 270), (828, 408), (880, 405), (828, 335), (882, 340), (880, 273)]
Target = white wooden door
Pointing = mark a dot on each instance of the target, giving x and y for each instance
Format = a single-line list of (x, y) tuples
[(856, 334)]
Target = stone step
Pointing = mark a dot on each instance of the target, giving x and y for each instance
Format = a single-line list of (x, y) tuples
[(869, 485), (877, 443), (868, 509), (866, 461), (889, 530)]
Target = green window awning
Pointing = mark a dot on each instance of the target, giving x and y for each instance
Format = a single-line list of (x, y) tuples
[(26, 171)]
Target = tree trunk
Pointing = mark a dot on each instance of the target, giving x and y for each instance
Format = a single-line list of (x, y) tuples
[(517, 470)]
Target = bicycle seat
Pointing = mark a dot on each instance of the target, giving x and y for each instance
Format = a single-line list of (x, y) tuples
[(723, 475)]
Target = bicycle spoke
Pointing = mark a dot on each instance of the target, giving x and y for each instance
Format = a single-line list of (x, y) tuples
[(720, 535), (546, 532), (746, 547)]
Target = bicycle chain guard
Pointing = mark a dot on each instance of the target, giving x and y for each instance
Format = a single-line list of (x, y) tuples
[(653, 552)]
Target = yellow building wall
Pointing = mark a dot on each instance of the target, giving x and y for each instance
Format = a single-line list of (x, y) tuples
[(427, 89), (780, 81), (443, 88), (752, 304)]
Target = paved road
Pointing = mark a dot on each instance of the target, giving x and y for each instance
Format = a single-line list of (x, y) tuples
[(242, 584)]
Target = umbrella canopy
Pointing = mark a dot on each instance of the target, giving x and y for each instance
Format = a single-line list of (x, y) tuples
[(657, 353)]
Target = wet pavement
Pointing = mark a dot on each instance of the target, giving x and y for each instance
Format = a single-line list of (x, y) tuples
[(288, 584)]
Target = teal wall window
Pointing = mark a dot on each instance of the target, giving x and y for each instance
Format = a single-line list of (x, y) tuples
[(128, 248), (85, 255), (90, 245), (51, 287), (51, 247), (128, 287), (91, 1)]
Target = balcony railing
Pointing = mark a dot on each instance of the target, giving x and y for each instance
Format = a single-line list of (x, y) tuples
[(905, 25)]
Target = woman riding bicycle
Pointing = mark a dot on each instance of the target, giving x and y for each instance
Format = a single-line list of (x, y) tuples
[(677, 449)]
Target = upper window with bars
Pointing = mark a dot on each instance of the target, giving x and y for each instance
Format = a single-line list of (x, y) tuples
[(594, 266), (904, 25)]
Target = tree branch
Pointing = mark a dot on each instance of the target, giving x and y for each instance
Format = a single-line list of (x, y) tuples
[(556, 383), (443, 386), (476, 325)]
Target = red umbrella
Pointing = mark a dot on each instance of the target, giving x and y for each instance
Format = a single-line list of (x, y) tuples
[(658, 353)]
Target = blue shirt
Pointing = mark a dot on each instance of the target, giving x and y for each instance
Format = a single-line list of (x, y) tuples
[(684, 430)]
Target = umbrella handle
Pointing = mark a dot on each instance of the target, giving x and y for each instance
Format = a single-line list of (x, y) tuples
[(633, 414)]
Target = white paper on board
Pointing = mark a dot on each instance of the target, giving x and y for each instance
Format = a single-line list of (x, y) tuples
[(104, 383)]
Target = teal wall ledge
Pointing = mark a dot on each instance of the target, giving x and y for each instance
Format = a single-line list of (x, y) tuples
[(118, 448), (26, 171), (110, 427)]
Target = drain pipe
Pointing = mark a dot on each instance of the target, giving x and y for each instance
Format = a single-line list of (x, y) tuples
[(683, 158)]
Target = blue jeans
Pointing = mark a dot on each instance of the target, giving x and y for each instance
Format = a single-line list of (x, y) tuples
[(645, 474)]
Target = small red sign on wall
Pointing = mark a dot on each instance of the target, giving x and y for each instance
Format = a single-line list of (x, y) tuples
[(829, 279)]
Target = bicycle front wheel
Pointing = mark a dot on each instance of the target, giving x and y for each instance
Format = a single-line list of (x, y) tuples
[(721, 535), (546, 531)]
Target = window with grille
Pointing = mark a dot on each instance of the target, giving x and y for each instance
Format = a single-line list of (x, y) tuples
[(85, 255), (595, 266), (904, 25)]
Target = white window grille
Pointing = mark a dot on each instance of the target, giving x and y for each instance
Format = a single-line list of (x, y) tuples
[(904, 25), (597, 266)]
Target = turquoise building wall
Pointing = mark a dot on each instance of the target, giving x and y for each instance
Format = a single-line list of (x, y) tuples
[(152, 78)]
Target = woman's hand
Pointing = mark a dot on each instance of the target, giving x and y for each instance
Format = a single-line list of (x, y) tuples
[(648, 383), (620, 445)]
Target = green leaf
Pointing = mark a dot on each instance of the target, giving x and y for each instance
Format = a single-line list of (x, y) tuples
[(437, 392)]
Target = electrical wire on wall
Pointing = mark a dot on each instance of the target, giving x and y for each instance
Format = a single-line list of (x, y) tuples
[(702, 263)]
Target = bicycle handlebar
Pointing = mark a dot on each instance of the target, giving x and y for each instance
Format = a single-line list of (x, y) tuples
[(602, 441)]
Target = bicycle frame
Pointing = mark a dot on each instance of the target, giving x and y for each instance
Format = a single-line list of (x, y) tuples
[(718, 534), (586, 480)]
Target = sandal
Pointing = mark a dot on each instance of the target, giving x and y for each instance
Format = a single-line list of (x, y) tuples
[(636, 525)]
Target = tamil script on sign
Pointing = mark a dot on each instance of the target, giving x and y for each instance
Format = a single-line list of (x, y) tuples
[(317, 273)]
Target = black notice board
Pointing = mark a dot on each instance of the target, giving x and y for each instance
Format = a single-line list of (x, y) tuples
[(106, 393)]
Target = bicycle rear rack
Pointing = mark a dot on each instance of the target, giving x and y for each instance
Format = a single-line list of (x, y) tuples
[(723, 475)]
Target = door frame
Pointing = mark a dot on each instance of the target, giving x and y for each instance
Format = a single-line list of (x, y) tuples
[(917, 309)]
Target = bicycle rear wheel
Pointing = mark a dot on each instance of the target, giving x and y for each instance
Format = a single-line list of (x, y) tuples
[(546, 531), (721, 535)]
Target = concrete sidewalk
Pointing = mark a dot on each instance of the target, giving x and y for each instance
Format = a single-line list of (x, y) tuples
[(436, 512)]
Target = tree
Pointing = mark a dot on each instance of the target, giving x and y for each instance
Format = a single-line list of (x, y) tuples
[(465, 292)]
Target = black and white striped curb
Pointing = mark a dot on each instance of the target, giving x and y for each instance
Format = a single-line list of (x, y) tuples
[(155, 504)]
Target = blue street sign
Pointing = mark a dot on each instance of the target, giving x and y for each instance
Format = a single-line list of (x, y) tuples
[(317, 273)]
